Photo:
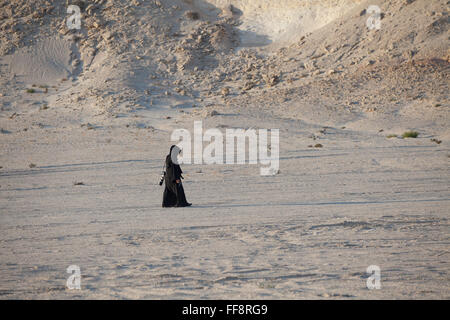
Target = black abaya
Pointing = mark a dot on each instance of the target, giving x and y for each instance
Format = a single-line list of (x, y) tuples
[(173, 192)]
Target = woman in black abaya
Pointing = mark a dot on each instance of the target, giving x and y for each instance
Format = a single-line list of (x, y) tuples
[(173, 192)]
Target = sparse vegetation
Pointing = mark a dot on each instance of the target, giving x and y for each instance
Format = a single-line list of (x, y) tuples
[(31, 90), (410, 134), (44, 87), (436, 140), (391, 136), (266, 285)]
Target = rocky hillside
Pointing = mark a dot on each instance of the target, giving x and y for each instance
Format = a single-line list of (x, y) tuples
[(192, 54)]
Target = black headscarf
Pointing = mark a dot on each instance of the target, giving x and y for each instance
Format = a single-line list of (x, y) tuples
[(173, 170)]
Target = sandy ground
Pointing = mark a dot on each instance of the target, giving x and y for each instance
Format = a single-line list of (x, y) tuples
[(82, 155), (309, 232)]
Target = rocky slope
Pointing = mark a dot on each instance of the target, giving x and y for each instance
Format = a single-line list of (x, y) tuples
[(142, 54)]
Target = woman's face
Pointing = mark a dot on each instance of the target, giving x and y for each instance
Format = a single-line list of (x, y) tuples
[(175, 152)]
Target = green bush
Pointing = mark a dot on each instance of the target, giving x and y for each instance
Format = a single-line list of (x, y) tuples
[(410, 134)]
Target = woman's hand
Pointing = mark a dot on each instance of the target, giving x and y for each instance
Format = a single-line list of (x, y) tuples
[(177, 181)]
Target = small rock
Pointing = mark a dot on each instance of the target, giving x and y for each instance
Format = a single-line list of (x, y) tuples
[(107, 35), (272, 80), (225, 91), (248, 85), (192, 15), (209, 113), (436, 140)]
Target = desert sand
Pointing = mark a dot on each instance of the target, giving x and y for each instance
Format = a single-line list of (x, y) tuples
[(86, 118)]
